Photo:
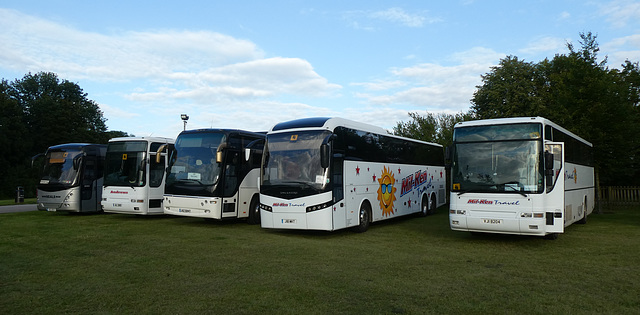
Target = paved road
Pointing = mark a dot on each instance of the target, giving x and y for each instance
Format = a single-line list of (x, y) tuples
[(18, 208)]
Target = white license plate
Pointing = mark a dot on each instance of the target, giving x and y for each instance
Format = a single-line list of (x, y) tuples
[(492, 221), (289, 221), (51, 209), (117, 205)]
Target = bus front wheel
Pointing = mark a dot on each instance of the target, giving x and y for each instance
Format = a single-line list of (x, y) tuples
[(254, 211), (424, 205), (363, 216)]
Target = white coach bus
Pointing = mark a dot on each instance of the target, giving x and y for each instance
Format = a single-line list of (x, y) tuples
[(213, 174), (524, 176), (134, 175), (72, 178), (331, 173)]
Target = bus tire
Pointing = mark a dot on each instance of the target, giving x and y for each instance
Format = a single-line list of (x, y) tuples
[(364, 216), (584, 213), (432, 205), (424, 206), (551, 236), (254, 211)]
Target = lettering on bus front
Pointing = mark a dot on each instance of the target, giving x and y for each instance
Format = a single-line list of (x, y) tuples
[(283, 204), (493, 202)]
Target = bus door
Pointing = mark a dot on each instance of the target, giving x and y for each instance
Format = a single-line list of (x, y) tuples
[(88, 185), (156, 177), (554, 187), (230, 184)]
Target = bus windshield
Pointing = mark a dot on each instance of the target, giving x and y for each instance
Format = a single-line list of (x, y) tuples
[(193, 162), (61, 167), (125, 164), (293, 159), (498, 158)]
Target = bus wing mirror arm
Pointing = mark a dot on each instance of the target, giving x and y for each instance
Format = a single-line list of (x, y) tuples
[(160, 149), (35, 157), (219, 153)]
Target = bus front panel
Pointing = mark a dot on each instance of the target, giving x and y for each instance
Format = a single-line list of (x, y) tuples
[(497, 213), (195, 206), (279, 213)]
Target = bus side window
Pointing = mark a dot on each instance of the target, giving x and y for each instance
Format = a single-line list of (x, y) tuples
[(553, 151), (156, 171), (88, 176), (231, 173)]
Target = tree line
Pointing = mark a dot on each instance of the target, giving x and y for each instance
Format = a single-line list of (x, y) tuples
[(38, 111), (575, 90)]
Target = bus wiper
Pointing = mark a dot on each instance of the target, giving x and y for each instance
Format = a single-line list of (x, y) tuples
[(304, 184), (191, 181), (514, 189), (460, 193)]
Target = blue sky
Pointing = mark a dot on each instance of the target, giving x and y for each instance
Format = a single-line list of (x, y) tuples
[(252, 64)]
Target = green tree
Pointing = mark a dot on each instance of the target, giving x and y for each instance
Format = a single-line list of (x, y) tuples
[(437, 128), (57, 111), (38, 111), (15, 143), (513, 88)]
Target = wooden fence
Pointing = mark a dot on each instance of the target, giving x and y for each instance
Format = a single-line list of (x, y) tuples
[(619, 195)]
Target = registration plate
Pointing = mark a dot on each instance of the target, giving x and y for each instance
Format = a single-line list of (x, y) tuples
[(117, 205), (492, 221), (51, 209), (289, 221)]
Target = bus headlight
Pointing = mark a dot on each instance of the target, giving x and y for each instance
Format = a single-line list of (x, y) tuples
[(318, 207), (265, 207)]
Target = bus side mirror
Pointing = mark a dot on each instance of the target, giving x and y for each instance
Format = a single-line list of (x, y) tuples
[(548, 168), (548, 160), (324, 155)]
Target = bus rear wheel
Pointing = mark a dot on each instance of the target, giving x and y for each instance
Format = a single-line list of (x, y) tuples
[(363, 215), (432, 205)]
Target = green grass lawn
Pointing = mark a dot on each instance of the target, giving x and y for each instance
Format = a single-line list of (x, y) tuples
[(9, 202), (112, 264)]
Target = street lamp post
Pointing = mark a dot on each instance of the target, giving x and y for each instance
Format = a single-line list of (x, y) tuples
[(184, 117)]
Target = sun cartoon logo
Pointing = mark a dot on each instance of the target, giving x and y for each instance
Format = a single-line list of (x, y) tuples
[(386, 192)]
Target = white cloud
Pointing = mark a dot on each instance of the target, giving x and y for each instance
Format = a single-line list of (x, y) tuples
[(253, 79), (543, 45), (434, 87), (199, 65), (73, 53), (398, 15), (380, 85), (623, 48), (392, 15), (620, 12)]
